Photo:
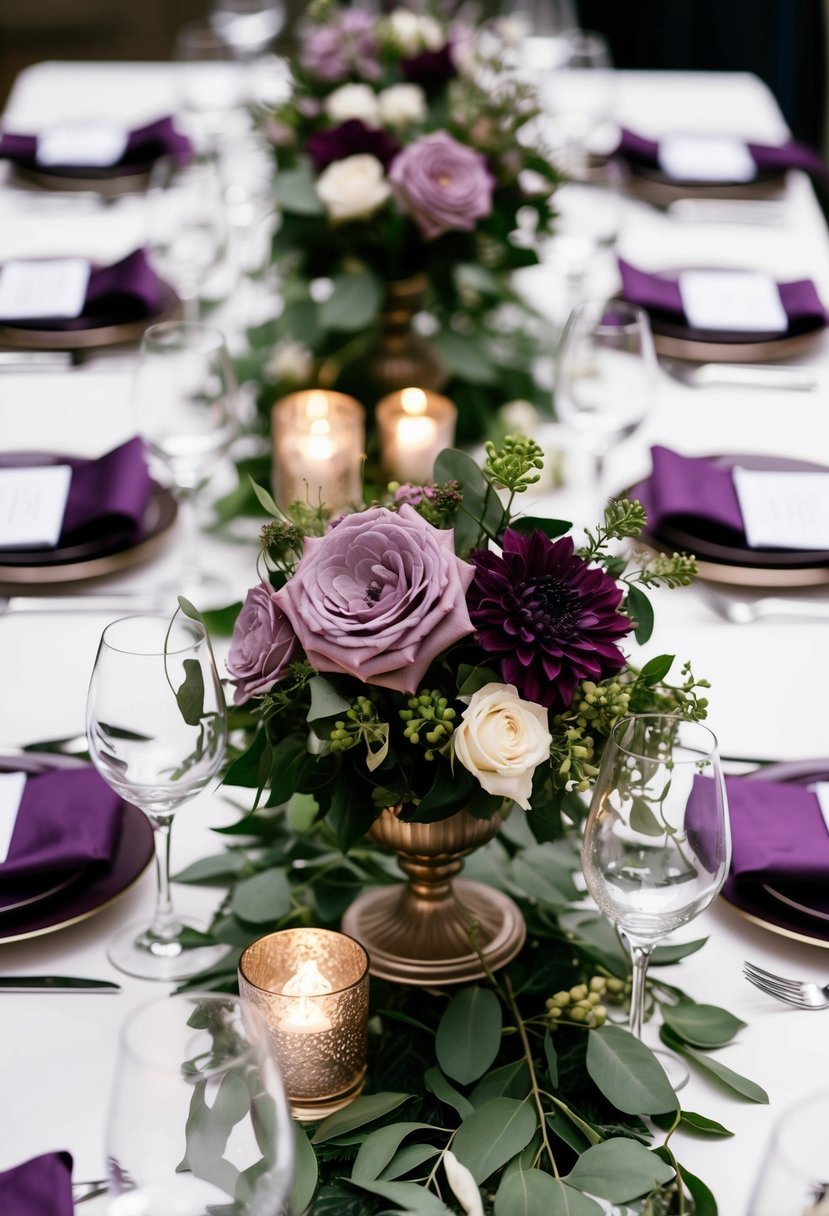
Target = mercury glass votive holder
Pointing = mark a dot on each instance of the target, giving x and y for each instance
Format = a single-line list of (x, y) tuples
[(319, 443), (311, 987), (414, 425)]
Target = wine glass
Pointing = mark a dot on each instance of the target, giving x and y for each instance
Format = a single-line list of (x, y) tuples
[(186, 226), (657, 844), (605, 375), (211, 83), (184, 399), (198, 1119), (248, 26), (156, 724), (794, 1176)]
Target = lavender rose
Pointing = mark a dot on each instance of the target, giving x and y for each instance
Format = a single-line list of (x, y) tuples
[(262, 646), (345, 44), (379, 597), (442, 184)]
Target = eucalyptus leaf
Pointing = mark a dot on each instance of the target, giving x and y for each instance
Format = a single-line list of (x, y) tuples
[(408, 1196), (469, 1034), (445, 1092), (213, 869), (641, 610), (294, 190), (733, 1080), (552, 1059), (358, 1113), (379, 1147), (690, 1121), (619, 1169), (190, 694), (665, 955), (354, 302), (326, 702), (262, 899), (465, 356), (642, 818), (656, 669), (493, 1134), (536, 885), (266, 499), (627, 1072), (508, 1081), (702, 1025), (306, 1172), (534, 1193), (409, 1158)]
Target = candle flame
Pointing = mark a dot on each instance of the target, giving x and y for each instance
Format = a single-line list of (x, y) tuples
[(304, 1015), (308, 980), (316, 406), (413, 401)]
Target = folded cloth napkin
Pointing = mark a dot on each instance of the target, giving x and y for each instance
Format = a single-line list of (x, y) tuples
[(67, 818), (661, 297), (776, 158), (145, 145), (128, 290), (685, 490), (778, 833), (39, 1187)]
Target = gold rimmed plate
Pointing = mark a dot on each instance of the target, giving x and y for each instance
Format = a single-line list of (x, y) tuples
[(18, 337), (650, 184), (92, 889), (109, 184)]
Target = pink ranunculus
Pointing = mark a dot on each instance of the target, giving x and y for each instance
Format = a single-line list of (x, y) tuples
[(379, 597), (263, 644), (442, 184)]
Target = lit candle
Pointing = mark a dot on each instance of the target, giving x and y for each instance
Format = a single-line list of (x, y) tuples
[(304, 1014), (415, 426), (318, 446)]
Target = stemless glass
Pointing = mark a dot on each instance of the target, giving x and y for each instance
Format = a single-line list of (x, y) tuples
[(794, 1176), (198, 1120), (156, 723), (605, 375), (184, 400), (657, 844)]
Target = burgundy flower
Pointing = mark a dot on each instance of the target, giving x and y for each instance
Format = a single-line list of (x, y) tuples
[(547, 616), (430, 69), (351, 138)]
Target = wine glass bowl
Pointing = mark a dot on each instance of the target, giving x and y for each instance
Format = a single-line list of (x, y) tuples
[(794, 1176), (186, 226), (248, 26), (157, 728)]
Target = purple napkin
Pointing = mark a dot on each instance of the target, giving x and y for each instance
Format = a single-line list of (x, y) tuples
[(778, 834), (791, 155), (661, 297), (128, 290), (67, 818), (684, 490), (145, 146), (39, 1187)]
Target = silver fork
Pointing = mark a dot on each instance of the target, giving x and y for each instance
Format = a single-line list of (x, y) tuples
[(802, 994), (745, 612)]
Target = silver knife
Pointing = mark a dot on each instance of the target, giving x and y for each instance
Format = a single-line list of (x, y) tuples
[(54, 983)]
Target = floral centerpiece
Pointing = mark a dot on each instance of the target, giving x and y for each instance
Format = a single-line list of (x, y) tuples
[(408, 180)]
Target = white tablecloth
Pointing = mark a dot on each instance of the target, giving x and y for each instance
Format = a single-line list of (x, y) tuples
[(769, 681)]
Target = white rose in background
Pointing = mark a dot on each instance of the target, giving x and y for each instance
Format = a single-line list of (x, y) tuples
[(414, 32), (402, 105), (353, 101), (354, 188), (290, 361), (501, 739)]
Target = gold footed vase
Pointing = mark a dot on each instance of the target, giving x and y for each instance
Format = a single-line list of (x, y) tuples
[(404, 358), (420, 933)]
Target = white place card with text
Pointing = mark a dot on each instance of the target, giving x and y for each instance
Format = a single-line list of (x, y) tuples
[(732, 300), (32, 506), (94, 145), (705, 158), (53, 287), (12, 786), (784, 510)]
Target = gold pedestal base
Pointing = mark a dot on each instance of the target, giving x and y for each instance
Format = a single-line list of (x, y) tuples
[(311, 1110), (415, 941)]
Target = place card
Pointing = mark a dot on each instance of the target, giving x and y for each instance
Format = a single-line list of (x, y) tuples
[(12, 786), (784, 510), (705, 158), (733, 301), (32, 506), (93, 145), (36, 290)]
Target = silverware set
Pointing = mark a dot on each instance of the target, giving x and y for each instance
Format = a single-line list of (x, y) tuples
[(741, 375), (802, 994)]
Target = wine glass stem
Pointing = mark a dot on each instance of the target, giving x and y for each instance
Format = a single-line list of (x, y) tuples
[(164, 922), (640, 956), (190, 557)]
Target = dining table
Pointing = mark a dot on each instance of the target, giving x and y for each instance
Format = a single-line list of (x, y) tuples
[(769, 695)]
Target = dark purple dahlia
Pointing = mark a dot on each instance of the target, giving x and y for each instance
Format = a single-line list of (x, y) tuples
[(430, 69), (351, 138), (547, 616)]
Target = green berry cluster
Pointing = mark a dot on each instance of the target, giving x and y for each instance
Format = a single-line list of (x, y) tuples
[(358, 722), (676, 570), (581, 1005), (429, 720), (624, 517), (602, 704), (514, 465)]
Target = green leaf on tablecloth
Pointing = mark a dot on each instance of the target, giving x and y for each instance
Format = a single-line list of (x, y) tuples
[(704, 1026), (627, 1072), (379, 1147), (640, 609), (493, 1134), (656, 669), (407, 1159), (663, 956), (294, 190), (508, 1081), (408, 1196), (262, 899), (733, 1080), (534, 1193), (469, 1034), (552, 528), (190, 694), (266, 499), (354, 302), (361, 1111), (213, 869), (690, 1121), (619, 1169), (445, 1092)]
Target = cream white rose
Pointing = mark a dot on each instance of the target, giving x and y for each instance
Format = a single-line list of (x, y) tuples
[(501, 739), (414, 32), (353, 101), (353, 188), (290, 361), (402, 104)]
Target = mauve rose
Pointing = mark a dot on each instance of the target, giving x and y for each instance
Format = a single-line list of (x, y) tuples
[(350, 139), (346, 44), (379, 597), (263, 644), (442, 184)]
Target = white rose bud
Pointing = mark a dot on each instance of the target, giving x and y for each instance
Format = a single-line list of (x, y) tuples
[(353, 101), (431, 35), (403, 28), (353, 188), (464, 1187), (290, 361), (501, 739), (402, 104)]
